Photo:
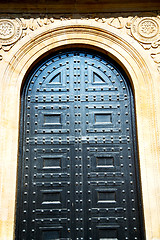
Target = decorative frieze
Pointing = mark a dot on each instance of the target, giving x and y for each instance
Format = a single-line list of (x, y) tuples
[(145, 29), (117, 22), (34, 23)]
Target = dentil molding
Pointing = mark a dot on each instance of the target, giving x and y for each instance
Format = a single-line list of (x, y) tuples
[(143, 28)]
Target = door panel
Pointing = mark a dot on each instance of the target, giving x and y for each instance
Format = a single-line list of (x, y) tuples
[(78, 167)]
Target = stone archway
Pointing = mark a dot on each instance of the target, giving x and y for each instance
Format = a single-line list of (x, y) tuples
[(137, 65)]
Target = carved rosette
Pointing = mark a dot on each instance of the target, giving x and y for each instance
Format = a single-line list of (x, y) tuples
[(10, 31), (145, 29)]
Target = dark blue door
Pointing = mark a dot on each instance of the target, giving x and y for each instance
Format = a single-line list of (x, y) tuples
[(78, 166)]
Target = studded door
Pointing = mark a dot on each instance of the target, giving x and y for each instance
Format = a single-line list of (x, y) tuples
[(78, 174)]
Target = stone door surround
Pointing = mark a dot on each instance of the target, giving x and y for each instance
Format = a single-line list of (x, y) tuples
[(132, 42)]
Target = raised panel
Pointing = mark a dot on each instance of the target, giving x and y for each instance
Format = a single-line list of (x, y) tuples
[(52, 162), (107, 234), (97, 79), (104, 161), (52, 119), (57, 79), (103, 118), (53, 80), (51, 234), (51, 197), (106, 195)]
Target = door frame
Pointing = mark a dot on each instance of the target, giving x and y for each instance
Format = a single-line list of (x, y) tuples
[(144, 79)]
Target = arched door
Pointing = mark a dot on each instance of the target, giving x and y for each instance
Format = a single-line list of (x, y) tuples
[(78, 173)]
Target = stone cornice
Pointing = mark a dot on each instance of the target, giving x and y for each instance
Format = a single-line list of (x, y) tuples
[(77, 6)]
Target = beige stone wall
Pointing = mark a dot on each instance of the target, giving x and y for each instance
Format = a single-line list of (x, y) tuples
[(133, 41)]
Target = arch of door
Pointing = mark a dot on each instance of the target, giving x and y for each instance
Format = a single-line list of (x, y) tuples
[(78, 165)]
